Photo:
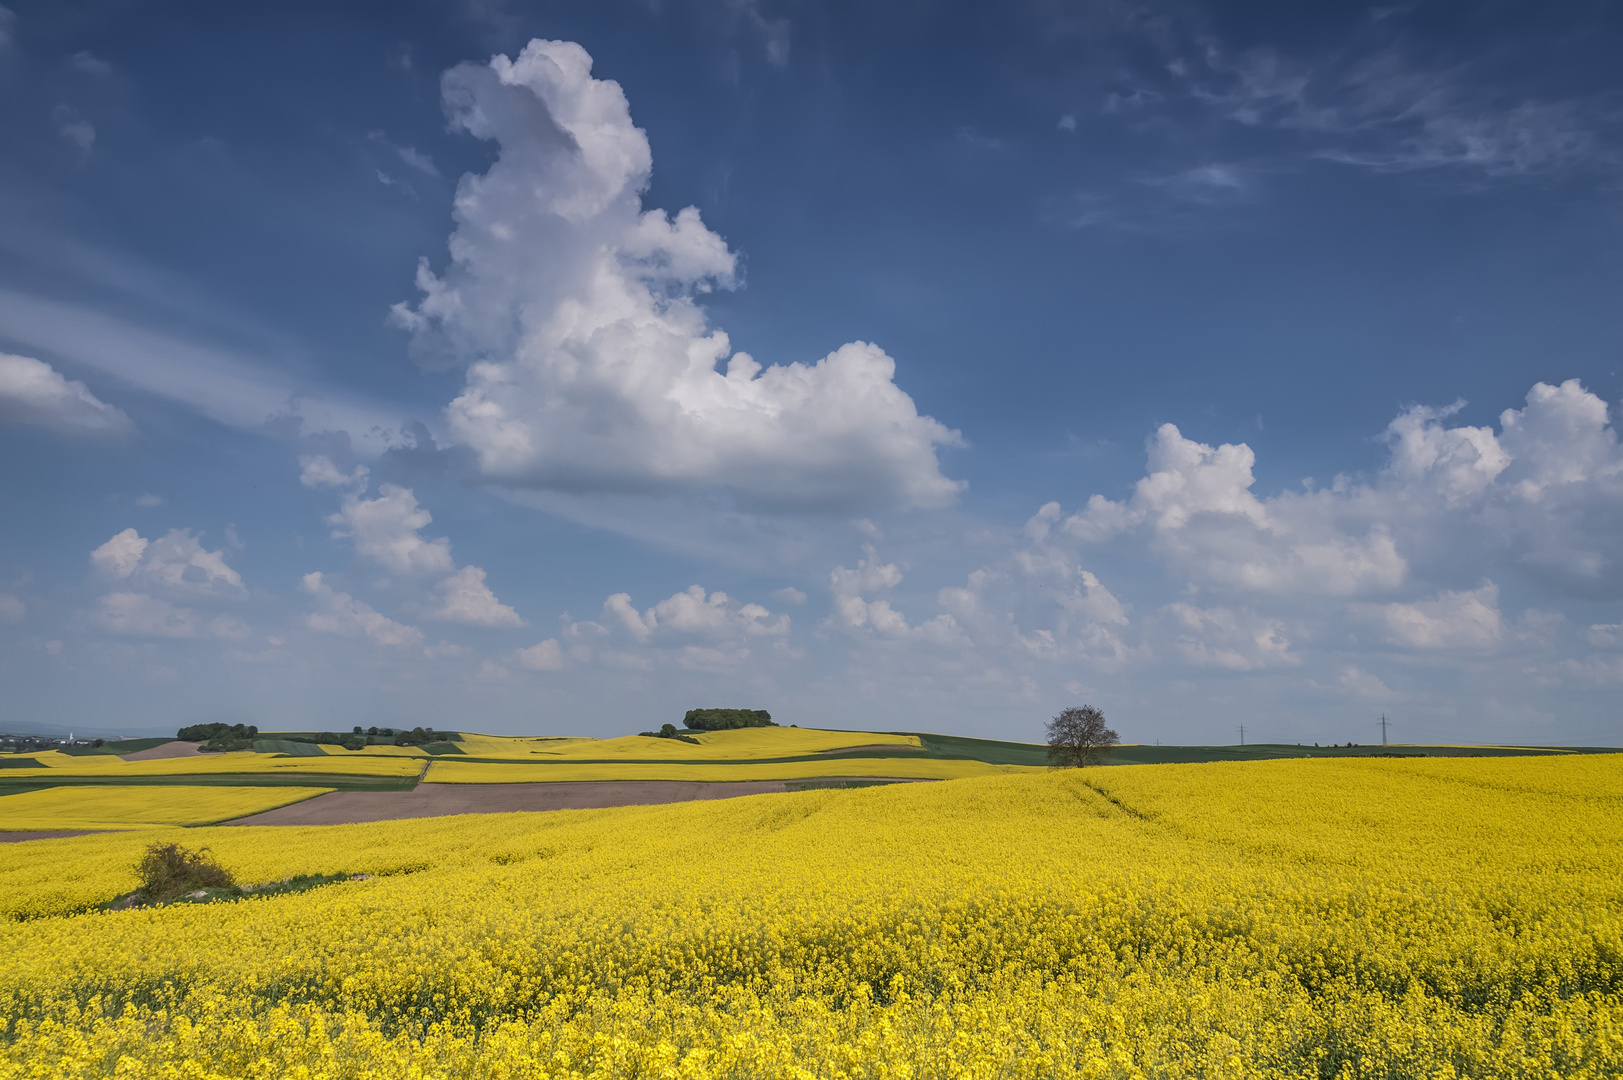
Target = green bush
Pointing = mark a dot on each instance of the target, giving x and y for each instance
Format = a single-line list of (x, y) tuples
[(169, 871), (726, 719)]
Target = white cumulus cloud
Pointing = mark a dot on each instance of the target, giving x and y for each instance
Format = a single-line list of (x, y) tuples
[(590, 365), (465, 598), (693, 629), (385, 529), (1197, 507), (858, 614), (543, 656), (1451, 620), (1544, 494), (1240, 640), (34, 393), (694, 613), (318, 471), (346, 616), (176, 561)]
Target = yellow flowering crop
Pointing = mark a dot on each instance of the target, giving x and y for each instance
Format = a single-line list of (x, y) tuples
[(1341, 919), (452, 771), (112, 807), (245, 761), (742, 744)]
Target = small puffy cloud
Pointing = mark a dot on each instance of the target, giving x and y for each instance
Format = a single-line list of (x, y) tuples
[(789, 595), (1240, 640), (695, 614), (177, 561), (465, 598), (694, 629), (385, 530), (34, 393), (1451, 620), (856, 614), (11, 608), (318, 471), (346, 616), (149, 500), (542, 656), (1067, 123), (119, 557), (591, 366)]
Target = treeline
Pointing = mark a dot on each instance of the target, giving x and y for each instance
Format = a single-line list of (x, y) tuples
[(668, 731), (241, 737), (220, 737), (726, 719)]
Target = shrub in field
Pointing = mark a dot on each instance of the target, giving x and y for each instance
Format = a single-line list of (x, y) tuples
[(726, 719), (169, 871), (668, 731)]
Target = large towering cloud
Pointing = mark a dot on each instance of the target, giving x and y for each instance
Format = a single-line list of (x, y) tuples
[(590, 366)]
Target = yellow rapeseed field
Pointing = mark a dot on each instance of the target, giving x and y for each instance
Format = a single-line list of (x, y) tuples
[(1301, 919), (452, 771), (56, 766), (742, 744), (113, 807)]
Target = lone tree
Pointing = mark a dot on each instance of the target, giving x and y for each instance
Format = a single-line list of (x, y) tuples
[(1078, 737)]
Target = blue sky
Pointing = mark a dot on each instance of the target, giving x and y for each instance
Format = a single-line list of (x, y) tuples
[(561, 367)]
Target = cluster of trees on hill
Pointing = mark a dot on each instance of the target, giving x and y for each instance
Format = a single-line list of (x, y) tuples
[(220, 737), (357, 739), (668, 731), (241, 736), (726, 719)]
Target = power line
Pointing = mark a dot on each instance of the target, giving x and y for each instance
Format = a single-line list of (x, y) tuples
[(1383, 729), (1242, 734)]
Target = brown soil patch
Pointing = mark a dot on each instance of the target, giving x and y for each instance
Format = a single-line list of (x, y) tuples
[(443, 800), (45, 834), (167, 750), (875, 746)]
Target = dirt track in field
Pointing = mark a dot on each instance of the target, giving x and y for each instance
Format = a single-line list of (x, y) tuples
[(167, 750), (44, 834), (443, 800)]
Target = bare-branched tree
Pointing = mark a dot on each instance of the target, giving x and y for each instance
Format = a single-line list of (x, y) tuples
[(1078, 737)]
